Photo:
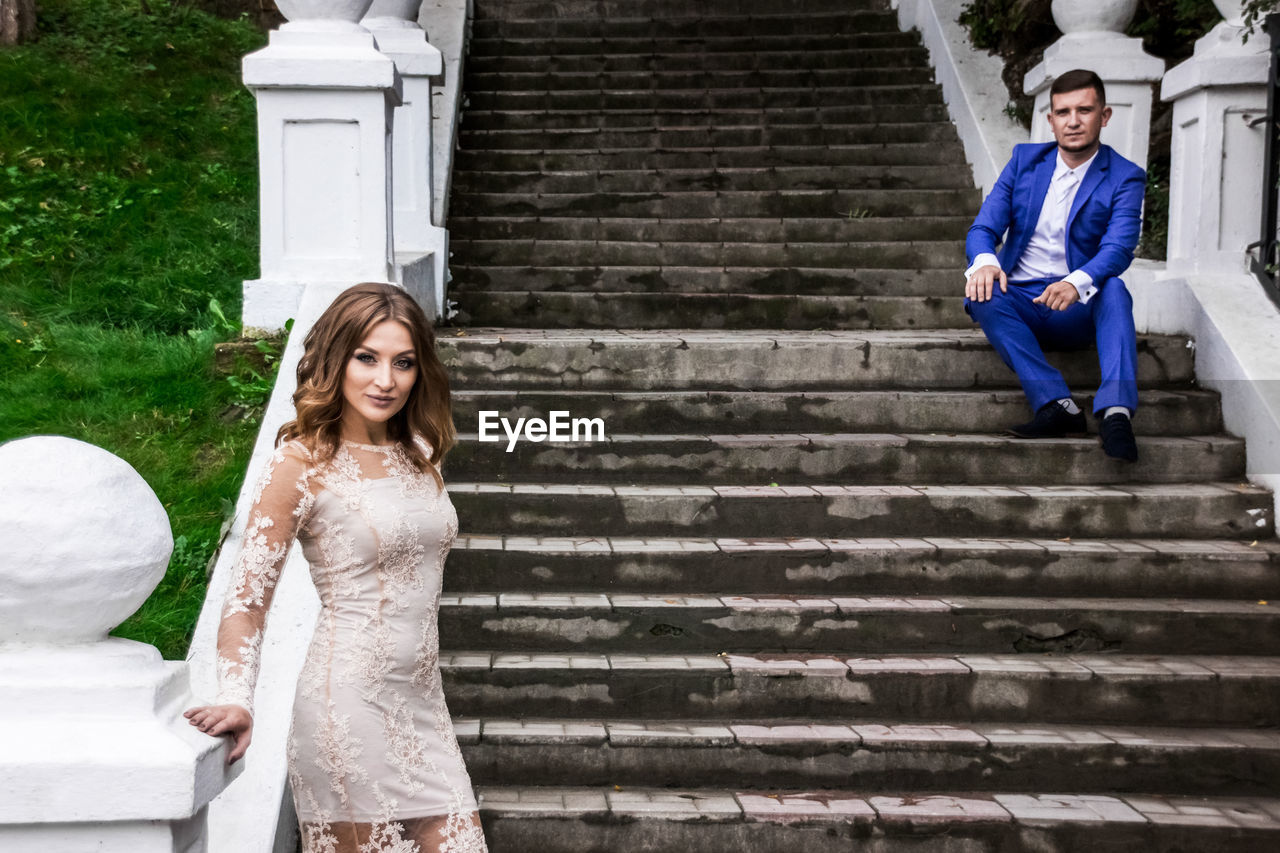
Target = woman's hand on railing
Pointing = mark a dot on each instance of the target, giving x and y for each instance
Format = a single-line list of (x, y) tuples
[(215, 720)]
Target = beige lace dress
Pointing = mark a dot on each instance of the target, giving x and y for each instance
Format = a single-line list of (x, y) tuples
[(373, 761)]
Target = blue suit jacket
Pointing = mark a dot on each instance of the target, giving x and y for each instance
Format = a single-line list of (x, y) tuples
[(1103, 225)]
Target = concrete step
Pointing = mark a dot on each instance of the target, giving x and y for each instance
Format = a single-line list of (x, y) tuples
[(737, 179), (1160, 412), (667, 9), (703, 137), (834, 458), (916, 255), (679, 624), (1118, 690), (745, 360), (548, 22), (873, 756), (622, 819), (852, 204), (1246, 570), (1193, 510), (704, 98), (867, 229), (475, 280), (553, 310), (700, 80), (598, 58), (493, 40), (869, 154)]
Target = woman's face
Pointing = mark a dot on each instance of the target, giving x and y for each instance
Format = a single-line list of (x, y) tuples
[(379, 376)]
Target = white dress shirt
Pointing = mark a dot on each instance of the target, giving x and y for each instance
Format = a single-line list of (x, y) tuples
[(1046, 254)]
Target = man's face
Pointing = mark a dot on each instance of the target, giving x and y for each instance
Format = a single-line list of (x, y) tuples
[(1077, 120)]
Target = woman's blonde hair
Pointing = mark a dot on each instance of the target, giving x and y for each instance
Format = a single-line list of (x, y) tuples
[(328, 347)]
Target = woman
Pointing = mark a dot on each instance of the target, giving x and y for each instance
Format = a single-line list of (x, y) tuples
[(373, 760)]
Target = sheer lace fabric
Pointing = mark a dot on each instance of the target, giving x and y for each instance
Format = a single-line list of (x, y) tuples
[(373, 761)]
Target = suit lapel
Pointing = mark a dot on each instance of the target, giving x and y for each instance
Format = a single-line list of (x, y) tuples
[(1097, 171), (1029, 210)]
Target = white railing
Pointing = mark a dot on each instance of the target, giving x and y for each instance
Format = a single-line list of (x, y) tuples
[(95, 753)]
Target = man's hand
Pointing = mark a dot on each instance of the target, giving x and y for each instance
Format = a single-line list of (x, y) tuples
[(978, 287), (231, 720), (1059, 296)]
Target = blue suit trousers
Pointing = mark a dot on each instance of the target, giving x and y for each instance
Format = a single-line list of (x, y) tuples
[(1020, 330)]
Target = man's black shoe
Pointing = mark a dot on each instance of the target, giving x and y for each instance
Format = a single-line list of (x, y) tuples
[(1117, 438), (1052, 421)]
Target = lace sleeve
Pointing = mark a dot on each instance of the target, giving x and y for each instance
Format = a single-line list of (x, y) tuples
[(281, 503)]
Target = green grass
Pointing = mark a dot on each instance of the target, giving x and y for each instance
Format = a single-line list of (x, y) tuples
[(128, 211)]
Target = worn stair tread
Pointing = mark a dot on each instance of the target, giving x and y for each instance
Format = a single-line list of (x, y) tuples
[(835, 457), (759, 156), (732, 57), (877, 754), (811, 735), (713, 97), (1166, 549), (1080, 689), (1069, 667), (728, 229), (513, 44), (714, 310), (758, 359), (567, 604), (1147, 510), (834, 254), (900, 812), (672, 621), (732, 178), (1160, 412), (696, 20), (925, 566)]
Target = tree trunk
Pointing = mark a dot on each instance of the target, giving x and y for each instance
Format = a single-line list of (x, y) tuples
[(17, 21)]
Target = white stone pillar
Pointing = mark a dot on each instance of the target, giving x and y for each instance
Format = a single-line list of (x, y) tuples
[(94, 751), (1219, 97), (1093, 38), (421, 244), (325, 99)]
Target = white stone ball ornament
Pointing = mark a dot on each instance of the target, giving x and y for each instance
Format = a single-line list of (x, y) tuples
[(83, 541)]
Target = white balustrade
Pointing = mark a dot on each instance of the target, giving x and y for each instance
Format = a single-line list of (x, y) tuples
[(94, 752), (1219, 100), (421, 243), (325, 98)]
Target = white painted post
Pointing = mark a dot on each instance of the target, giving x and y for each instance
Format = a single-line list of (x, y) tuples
[(421, 245), (1219, 96), (96, 754), (1093, 38), (325, 98)]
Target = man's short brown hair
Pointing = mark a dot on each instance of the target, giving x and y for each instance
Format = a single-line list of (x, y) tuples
[(1074, 81)]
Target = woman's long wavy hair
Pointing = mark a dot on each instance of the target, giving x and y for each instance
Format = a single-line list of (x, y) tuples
[(330, 345)]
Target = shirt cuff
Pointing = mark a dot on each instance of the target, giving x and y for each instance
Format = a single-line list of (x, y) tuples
[(985, 259), (1083, 283)]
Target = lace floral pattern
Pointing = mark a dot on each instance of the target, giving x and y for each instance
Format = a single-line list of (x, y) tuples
[(374, 766)]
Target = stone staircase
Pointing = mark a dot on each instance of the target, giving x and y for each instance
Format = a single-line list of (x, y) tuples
[(805, 597)]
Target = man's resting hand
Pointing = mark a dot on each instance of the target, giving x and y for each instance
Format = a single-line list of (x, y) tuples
[(979, 285), (1059, 296)]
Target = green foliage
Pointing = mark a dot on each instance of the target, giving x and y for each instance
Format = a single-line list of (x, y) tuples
[(1255, 12), (128, 207), (1155, 225), (988, 21)]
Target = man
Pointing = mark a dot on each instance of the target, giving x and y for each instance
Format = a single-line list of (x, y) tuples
[(1070, 213)]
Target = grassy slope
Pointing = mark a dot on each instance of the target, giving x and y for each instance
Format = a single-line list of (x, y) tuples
[(127, 202)]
